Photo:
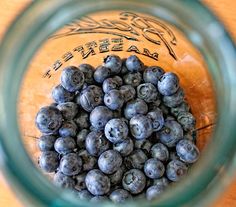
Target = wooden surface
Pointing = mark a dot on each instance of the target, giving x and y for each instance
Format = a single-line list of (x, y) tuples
[(225, 9)]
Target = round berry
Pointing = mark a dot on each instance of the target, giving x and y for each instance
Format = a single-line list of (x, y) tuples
[(187, 120), (68, 110), (124, 147), (82, 120), (80, 182), (168, 84), (154, 191), (88, 71), (154, 168), (160, 152), (89, 162), (128, 92), (80, 138), (112, 83), (114, 99), (63, 181), (120, 196), (136, 159), (133, 79), (161, 181), (143, 144), (61, 95), (176, 170), (134, 64), (152, 74), (157, 119), (68, 129), (183, 107), (114, 63), (174, 99), (65, 145), (147, 92), (101, 73), (49, 161), (46, 142)]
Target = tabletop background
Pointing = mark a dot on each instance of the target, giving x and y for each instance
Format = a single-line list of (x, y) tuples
[(224, 9)]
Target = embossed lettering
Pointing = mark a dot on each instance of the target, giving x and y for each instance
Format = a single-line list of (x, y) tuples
[(133, 48), (119, 44)]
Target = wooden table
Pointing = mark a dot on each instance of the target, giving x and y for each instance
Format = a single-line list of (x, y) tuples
[(224, 9)]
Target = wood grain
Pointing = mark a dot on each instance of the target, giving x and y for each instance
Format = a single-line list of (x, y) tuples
[(225, 10)]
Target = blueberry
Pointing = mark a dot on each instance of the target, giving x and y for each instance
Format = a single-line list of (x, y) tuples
[(157, 119), (97, 183), (125, 147), (46, 142), (114, 99), (91, 97), (187, 120), (175, 99), (183, 107), (70, 164), (112, 83), (135, 107), (143, 144), (171, 133), (133, 79), (124, 69), (152, 74), (168, 84), (128, 92), (97, 199), (68, 110), (116, 130), (101, 73), (82, 120), (68, 129), (120, 196), (89, 161), (154, 168), (187, 151), (176, 170), (83, 195), (49, 161), (61, 95), (116, 178), (110, 161), (161, 181), (141, 127), (48, 119), (134, 64), (63, 181), (80, 138), (134, 181), (100, 116), (136, 159), (147, 92), (80, 182), (114, 63), (160, 152), (88, 71), (64, 145), (154, 191), (96, 143)]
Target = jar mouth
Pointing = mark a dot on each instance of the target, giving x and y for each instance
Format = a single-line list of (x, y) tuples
[(40, 20)]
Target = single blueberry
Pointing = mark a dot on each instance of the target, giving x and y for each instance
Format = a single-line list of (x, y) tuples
[(46, 142), (120, 196), (80, 182), (157, 119), (133, 79), (88, 71), (141, 126), (160, 151), (83, 195), (96, 143), (136, 159), (72, 79), (63, 181), (147, 92), (68, 129), (100, 116), (82, 120), (175, 170), (187, 151), (116, 178), (61, 95), (135, 107), (171, 133), (49, 161), (114, 99), (80, 138), (152, 74), (89, 161), (168, 84), (48, 119), (98, 199), (124, 69), (101, 73), (134, 181), (97, 183), (65, 145), (183, 107), (134, 64), (91, 97), (128, 92), (174, 99), (114, 63), (124, 147), (116, 130), (70, 164), (112, 83), (187, 120), (68, 110), (143, 144), (154, 168), (161, 181), (154, 191)]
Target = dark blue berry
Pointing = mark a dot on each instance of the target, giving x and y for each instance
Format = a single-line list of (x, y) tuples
[(114, 63), (133, 79), (152, 74), (174, 99), (154, 191), (168, 84), (97, 183), (154, 168), (160, 151), (63, 181), (136, 159), (114, 99), (64, 145), (112, 83), (68, 129), (91, 97), (82, 120), (157, 119), (116, 130), (124, 69), (61, 95), (68, 110), (183, 107), (141, 127), (147, 92), (120, 196), (101, 73), (70, 164), (88, 71), (187, 120), (80, 138), (49, 161), (48, 119), (125, 147), (161, 181), (143, 144), (176, 170), (46, 142), (89, 161), (134, 64), (128, 92), (80, 182)]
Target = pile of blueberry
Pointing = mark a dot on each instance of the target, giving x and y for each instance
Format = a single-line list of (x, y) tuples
[(121, 131)]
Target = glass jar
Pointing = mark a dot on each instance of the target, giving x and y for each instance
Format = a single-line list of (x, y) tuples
[(180, 36)]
